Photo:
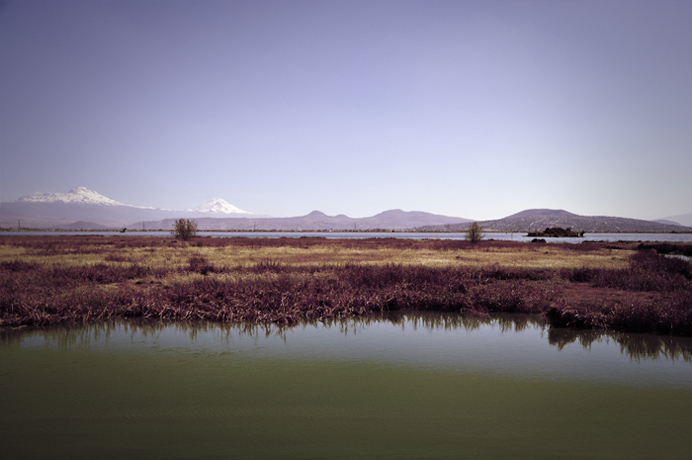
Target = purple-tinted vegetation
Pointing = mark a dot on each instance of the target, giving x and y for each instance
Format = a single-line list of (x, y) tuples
[(656, 291)]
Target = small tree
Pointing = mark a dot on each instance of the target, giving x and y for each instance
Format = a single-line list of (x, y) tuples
[(475, 233), (184, 229)]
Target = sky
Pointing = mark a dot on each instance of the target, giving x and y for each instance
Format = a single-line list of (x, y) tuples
[(474, 109)]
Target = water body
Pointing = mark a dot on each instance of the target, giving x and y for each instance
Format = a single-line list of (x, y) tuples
[(433, 386), (612, 237)]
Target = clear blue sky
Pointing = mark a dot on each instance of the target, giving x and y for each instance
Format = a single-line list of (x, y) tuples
[(475, 109)]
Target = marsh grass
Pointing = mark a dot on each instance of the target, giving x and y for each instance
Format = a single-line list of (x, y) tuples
[(50, 280), (684, 249)]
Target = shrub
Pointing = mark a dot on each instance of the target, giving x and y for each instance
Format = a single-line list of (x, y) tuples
[(475, 233), (184, 229)]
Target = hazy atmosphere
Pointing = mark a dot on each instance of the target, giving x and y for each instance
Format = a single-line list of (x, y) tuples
[(476, 109)]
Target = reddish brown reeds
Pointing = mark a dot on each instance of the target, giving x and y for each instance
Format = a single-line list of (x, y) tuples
[(84, 279)]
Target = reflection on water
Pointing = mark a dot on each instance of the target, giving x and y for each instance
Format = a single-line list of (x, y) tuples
[(636, 346), (388, 386)]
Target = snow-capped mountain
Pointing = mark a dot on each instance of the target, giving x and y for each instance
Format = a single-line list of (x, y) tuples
[(219, 206), (83, 206), (81, 195)]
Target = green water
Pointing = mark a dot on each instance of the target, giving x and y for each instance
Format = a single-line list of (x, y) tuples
[(408, 388)]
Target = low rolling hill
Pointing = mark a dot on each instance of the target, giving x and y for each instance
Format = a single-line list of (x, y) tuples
[(540, 219), (318, 221)]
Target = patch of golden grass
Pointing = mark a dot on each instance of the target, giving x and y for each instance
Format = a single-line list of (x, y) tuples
[(176, 257), (503, 257), (558, 259)]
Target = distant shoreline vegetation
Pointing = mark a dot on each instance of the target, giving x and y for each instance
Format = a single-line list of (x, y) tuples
[(557, 232), (379, 230)]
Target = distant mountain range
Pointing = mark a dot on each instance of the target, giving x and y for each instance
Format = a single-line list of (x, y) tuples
[(81, 208), (315, 221), (87, 209), (540, 219), (682, 219)]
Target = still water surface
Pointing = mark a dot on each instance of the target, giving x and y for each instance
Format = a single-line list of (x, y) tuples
[(432, 386), (661, 237)]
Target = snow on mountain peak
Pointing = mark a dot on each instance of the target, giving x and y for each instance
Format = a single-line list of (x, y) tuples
[(219, 206), (81, 195)]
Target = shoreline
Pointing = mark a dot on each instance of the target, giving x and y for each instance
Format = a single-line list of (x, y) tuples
[(115, 230), (66, 280)]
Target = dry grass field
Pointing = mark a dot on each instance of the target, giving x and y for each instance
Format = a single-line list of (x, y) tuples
[(81, 278)]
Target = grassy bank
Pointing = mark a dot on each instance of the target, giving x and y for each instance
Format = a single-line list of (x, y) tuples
[(78, 279)]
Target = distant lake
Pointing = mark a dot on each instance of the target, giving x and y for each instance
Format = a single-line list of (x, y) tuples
[(398, 386), (612, 237)]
